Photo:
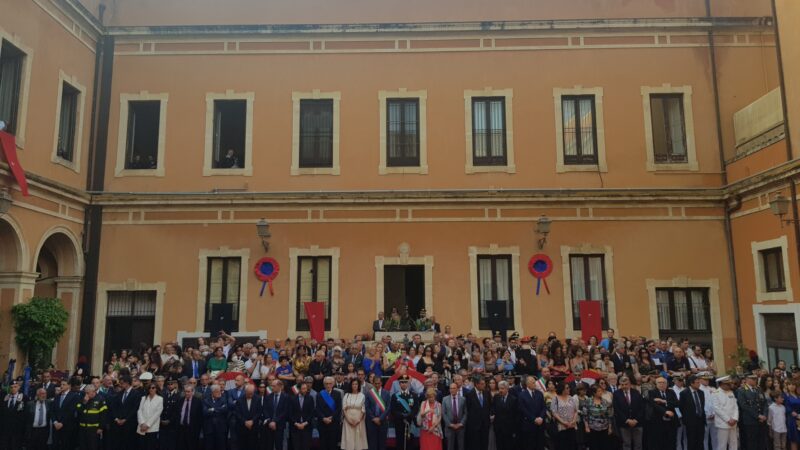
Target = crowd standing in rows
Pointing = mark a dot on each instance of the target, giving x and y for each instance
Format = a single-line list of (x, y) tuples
[(456, 392)]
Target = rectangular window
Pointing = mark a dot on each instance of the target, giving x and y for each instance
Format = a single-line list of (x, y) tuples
[(222, 288), (230, 127), (68, 117), (11, 60), (580, 129), (669, 130), (402, 132), (772, 265), (130, 320), (495, 292), (316, 133), (489, 131), (314, 285), (588, 279), (684, 313), (141, 151)]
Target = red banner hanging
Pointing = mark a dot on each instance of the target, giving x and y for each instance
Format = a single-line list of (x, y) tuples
[(9, 144), (315, 311), (591, 319)]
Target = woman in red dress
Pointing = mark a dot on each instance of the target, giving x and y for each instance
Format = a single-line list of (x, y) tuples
[(429, 420)]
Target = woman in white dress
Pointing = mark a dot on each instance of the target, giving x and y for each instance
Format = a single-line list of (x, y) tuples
[(354, 430)]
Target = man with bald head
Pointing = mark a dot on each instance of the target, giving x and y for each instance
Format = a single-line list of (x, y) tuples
[(664, 420), (37, 420)]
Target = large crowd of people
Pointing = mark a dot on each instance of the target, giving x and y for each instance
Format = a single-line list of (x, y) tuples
[(456, 392)]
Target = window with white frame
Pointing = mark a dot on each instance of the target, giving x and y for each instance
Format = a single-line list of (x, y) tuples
[(771, 262)]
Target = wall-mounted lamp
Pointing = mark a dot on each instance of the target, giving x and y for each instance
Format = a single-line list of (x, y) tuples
[(5, 201), (780, 207), (543, 229), (262, 230)]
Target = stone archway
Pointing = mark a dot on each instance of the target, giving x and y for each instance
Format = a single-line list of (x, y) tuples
[(59, 272), (15, 282)]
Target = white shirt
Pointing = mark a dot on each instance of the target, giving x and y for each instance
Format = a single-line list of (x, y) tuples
[(39, 414), (725, 409), (777, 418), (709, 392), (150, 413), (698, 363), (677, 390)]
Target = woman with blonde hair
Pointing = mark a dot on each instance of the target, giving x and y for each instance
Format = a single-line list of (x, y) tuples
[(429, 419)]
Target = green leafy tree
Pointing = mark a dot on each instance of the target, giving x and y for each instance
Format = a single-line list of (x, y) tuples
[(39, 324)]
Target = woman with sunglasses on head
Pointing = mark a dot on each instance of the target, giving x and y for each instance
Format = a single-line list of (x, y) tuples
[(149, 417)]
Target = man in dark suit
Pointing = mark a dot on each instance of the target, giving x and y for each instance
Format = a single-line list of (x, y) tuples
[(190, 420), (479, 408), (692, 404), (122, 416), (377, 415), (275, 413), (232, 396), (622, 361), (404, 407), (170, 415), (504, 410), (37, 420), (319, 369), (65, 419), (12, 418), (48, 385), (195, 366), (532, 411), (215, 420), (377, 325), (248, 418), (303, 411), (629, 414), (663, 426), (454, 418), (329, 413)]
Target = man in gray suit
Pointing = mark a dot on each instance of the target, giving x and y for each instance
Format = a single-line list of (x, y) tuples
[(454, 414)]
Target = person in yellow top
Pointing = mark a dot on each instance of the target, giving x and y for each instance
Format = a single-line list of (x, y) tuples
[(91, 419)]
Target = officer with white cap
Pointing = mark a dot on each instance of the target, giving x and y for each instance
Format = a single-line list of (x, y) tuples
[(726, 415)]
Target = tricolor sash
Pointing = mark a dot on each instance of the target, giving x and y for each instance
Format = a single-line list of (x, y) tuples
[(328, 400), (376, 397)]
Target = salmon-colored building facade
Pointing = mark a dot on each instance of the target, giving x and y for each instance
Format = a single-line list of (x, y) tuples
[(403, 154)]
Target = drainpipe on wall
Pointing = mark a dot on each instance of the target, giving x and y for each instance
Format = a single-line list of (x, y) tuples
[(728, 208), (95, 181)]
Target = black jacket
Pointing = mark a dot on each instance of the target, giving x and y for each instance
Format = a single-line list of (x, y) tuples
[(688, 408), (624, 411)]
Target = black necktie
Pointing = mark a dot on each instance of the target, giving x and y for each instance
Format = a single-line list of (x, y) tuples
[(697, 404)]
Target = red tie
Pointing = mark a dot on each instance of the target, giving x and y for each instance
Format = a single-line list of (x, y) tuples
[(628, 396)]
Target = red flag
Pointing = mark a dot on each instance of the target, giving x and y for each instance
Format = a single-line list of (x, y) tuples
[(9, 144), (315, 311), (591, 320)]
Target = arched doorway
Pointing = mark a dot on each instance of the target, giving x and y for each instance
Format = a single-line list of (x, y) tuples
[(59, 270), (15, 283), (11, 251), (57, 258)]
